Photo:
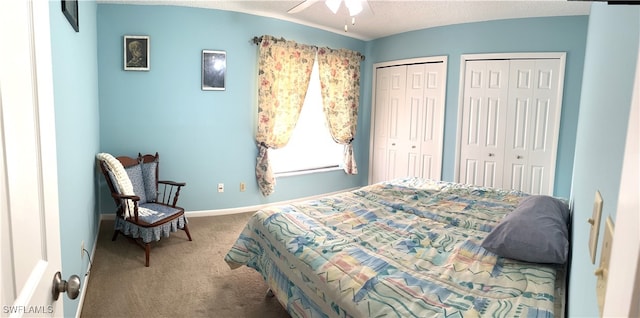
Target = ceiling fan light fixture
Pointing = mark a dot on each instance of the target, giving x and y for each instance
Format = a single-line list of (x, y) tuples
[(354, 6), (333, 5)]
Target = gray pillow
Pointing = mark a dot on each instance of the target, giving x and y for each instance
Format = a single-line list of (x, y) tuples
[(135, 175), (150, 180), (536, 231)]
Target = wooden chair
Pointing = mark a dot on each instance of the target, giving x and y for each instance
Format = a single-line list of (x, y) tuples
[(146, 206)]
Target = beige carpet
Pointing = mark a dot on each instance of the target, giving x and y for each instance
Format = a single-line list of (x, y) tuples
[(185, 279)]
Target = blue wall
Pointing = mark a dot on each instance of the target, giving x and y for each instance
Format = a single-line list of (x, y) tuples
[(75, 76), (609, 70), (553, 34), (210, 138), (203, 137)]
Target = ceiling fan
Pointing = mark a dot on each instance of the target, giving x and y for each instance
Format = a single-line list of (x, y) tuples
[(353, 6)]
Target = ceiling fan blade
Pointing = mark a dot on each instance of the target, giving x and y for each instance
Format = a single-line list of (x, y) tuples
[(302, 6), (367, 7)]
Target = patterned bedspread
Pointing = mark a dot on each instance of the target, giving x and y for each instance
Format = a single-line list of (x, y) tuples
[(407, 248)]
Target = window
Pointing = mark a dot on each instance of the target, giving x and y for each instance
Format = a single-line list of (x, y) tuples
[(311, 146)]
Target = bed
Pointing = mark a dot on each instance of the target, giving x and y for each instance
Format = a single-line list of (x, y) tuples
[(409, 248)]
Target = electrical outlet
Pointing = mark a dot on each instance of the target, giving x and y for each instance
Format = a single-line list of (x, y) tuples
[(220, 187), (82, 249), (242, 186)]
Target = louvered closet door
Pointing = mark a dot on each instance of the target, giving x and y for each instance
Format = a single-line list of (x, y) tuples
[(532, 113), (390, 137), (484, 116)]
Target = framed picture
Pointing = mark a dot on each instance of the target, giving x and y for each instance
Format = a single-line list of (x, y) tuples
[(136, 53), (214, 68), (70, 10)]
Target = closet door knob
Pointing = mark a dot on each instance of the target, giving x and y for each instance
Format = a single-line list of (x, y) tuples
[(491, 154), (414, 147), (518, 157)]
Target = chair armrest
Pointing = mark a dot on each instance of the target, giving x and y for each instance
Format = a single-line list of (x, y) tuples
[(173, 183), (123, 207), (135, 198), (170, 192)]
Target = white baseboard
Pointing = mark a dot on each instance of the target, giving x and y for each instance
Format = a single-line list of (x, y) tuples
[(251, 208), (107, 216), (85, 283)]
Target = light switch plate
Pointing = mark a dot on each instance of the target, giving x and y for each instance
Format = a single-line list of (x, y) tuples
[(603, 270), (595, 226)]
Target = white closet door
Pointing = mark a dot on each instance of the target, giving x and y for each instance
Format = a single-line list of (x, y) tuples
[(532, 127), (518, 127), (425, 98), (483, 122), (380, 125), (390, 137), (398, 140), (432, 119), (414, 119), (408, 120)]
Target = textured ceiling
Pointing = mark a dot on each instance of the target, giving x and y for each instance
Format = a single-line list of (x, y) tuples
[(384, 18)]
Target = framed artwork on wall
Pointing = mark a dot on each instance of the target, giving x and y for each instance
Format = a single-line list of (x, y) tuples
[(70, 11), (136, 52), (214, 69)]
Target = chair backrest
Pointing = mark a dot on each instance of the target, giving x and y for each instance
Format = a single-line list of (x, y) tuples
[(143, 173), (165, 192)]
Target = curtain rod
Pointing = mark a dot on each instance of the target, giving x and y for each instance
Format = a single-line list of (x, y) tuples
[(257, 39)]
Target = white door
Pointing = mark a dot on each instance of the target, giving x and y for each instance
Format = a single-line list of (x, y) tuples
[(414, 120), (390, 133), (30, 230), (414, 97), (432, 119), (519, 112), (532, 114), (484, 112), (510, 120), (380, 125), (397, 141), (408, 120)]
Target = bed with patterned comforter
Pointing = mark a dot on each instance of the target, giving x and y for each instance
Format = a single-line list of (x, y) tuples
[(407, 248)]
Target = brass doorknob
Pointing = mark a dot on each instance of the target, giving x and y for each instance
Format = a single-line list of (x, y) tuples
[(72, 287)]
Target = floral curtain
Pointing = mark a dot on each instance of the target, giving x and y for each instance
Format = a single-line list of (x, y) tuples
[(340, 86), (284, 70)]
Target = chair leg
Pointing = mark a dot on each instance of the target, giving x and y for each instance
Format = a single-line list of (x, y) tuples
[(186, 229), (115, 235), (147, 251)]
